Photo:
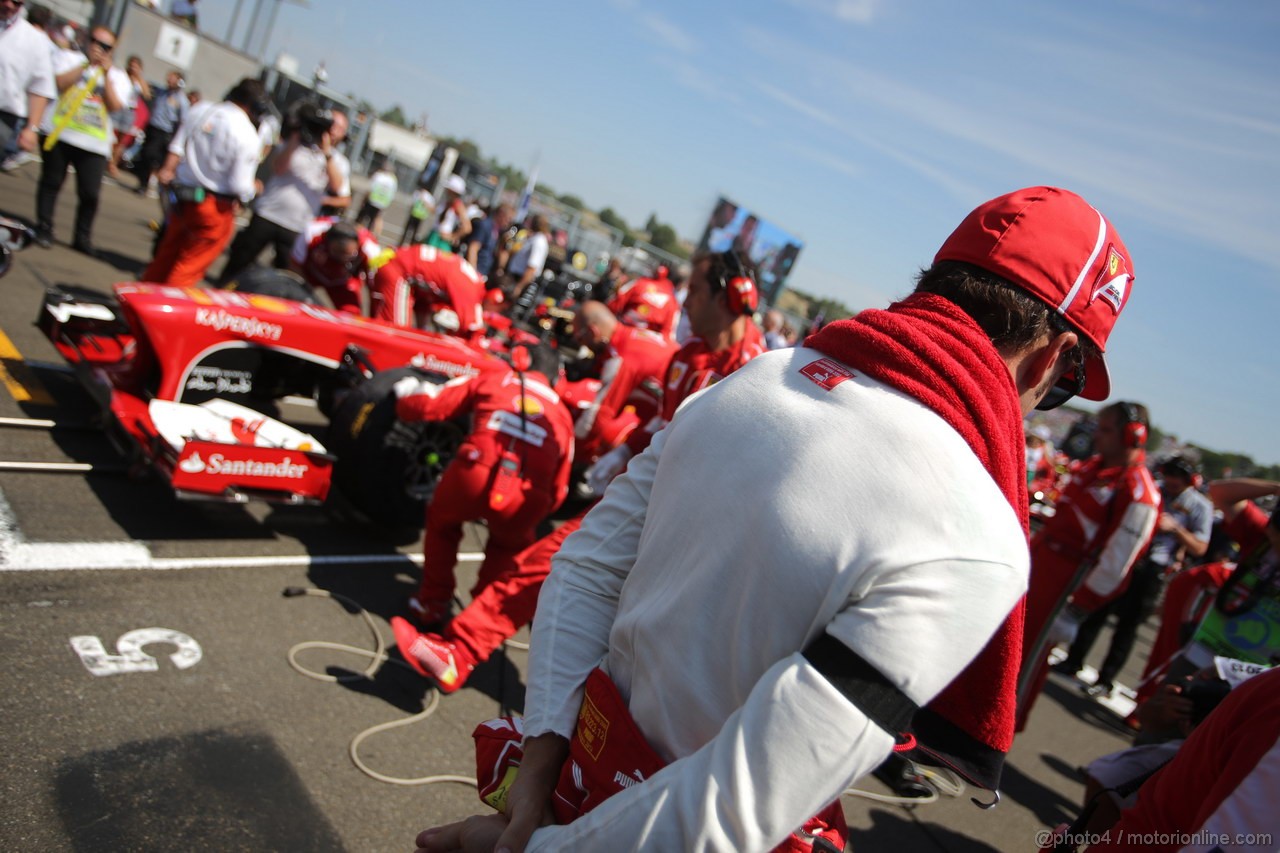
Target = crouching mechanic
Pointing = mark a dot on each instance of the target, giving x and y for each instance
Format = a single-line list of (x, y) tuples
[(338, 258), (721, 306), (421, 286), (1082, 558), (630, 363), (511, 471), (760, 602)]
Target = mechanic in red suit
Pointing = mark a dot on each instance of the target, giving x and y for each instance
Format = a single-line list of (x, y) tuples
[(511, 471), (631, 364), (338, 258), (720, 305), (1103, 522), (420, 283), (648, 303)]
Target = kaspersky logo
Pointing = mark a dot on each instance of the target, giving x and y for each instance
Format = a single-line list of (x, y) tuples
[(217, 463), (250, 327)]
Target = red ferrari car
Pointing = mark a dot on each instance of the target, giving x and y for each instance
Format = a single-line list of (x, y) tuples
[(189, 379)]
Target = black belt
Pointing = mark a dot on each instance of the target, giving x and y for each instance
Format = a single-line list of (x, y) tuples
[(195, 195)]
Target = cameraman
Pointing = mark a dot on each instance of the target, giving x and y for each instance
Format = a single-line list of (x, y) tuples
[(299, 170)]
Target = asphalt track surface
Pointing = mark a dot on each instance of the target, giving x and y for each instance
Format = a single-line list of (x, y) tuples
[(238, 751)]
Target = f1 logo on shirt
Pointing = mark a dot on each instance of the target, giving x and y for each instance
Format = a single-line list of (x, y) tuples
[(827, 373)]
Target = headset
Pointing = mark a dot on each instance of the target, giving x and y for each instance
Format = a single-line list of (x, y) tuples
[(740, 291), (1135, 426)]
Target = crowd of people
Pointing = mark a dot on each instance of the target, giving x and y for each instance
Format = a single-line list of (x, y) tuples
[(759, 573)]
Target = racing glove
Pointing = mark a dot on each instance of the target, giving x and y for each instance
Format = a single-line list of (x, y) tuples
[(446, 319), (410, 385), (608, 466)]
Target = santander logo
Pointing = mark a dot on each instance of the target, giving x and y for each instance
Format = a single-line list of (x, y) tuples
[(217, 463)]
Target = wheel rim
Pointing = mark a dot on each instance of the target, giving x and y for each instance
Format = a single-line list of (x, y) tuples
[(428, 448)]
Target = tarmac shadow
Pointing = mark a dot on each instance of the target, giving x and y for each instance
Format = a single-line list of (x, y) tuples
[(220, 789), (1050, 807), (890, 831)]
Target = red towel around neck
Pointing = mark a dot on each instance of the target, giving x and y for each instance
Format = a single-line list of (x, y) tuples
[(928, 348)]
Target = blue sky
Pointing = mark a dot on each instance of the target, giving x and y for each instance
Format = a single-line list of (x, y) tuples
[(868, 128)]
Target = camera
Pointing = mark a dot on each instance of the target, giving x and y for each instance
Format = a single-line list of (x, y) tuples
[(309, 120)]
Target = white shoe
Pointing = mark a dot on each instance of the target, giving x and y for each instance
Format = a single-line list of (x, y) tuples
[(18, 160)]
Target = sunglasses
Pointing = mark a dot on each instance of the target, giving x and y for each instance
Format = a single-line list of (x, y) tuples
[(104, 45), (1069, 385)]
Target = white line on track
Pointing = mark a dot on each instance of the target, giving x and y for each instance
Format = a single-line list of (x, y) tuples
[(19, 555)]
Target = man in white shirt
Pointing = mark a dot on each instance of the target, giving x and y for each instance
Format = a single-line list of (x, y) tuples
[(301, 168), (26, 77), (210, 167), (761, 604), (80, 134), (527, 263)]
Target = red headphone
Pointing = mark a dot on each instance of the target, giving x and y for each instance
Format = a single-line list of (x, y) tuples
[(1135, 431), (740, 291)]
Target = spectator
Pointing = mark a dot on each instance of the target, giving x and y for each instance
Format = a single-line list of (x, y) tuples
[(773, 321), (421, 286), (611, 280), (453, 225), (210, 168), (1081, 559), (382, 192), (300, 169), (26, 82), (1040, 471), (511, 471), (753, 657), (337, 258), (80, 134), (421, 207), (168, 112), (486, 238), (1182, 533), (123, 120), (185, 11), (337, 198), (527, 262)]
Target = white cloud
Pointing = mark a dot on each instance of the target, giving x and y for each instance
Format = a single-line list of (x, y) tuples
[(667, 33), (849, 11), (1123, 146)]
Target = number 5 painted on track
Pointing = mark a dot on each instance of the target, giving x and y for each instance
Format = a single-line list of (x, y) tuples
[(131, 657)]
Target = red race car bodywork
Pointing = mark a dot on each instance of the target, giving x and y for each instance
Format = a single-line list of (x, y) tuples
[(184, 372)]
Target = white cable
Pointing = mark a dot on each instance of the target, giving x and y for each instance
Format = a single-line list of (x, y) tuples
[(376, 657), (932, 797)]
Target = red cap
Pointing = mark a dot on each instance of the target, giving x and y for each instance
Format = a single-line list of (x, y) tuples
[(1057, 247)]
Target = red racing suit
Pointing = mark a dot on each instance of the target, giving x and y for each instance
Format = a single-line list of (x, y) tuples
[(631, 373), (1105, 517), (508, 604), (420, 280), (694, 367), (511, 471), (648, 303), (342, 283)]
